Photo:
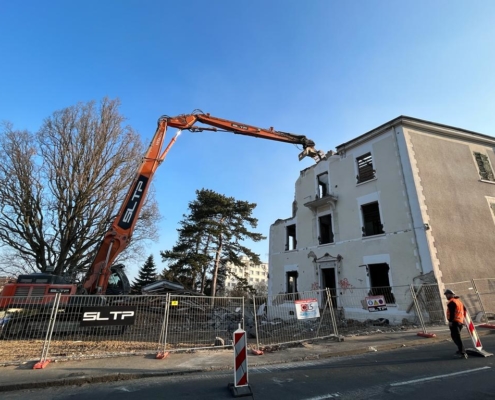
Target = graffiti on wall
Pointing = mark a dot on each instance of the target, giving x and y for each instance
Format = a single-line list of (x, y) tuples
[(345, 285)]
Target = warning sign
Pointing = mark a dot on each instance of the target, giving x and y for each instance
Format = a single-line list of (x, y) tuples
[(174, 302), (307, 308), (376, 303)]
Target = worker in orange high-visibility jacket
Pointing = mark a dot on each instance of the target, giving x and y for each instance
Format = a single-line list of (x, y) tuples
[(455, 315)]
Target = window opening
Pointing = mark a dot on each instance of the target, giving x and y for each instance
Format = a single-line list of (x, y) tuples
[(371, 219), (380, 282), (322, 185), (365, 168), (291, 242), (326, 233), (484, 167), (291, 277), (115, 284)]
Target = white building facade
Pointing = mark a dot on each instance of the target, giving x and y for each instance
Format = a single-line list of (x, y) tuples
[(408, 201)]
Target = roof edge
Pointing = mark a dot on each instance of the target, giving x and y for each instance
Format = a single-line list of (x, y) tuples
[(438, 128)]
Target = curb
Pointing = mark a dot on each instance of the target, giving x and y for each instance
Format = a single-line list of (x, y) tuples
[(92, 379), (114, 377)]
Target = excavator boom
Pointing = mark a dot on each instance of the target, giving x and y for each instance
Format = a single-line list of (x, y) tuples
[(119, 234), (187, 121)]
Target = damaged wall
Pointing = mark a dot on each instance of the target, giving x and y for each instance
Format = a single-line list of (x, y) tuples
[(404, 199), (396, 246)]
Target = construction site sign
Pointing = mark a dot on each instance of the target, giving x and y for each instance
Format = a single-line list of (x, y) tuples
[(376, 303), (307, 308)]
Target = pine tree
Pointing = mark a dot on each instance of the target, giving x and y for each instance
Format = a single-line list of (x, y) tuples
[(210, 234), (147, 274)]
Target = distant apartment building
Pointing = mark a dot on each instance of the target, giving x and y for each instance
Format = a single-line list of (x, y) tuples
[(253, 273)]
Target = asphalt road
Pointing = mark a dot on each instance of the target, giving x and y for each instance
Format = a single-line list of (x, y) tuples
[(425, 372)]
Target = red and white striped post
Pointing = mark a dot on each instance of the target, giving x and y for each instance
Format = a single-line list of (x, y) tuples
[(240, 387), (478, 348), (472, 332)]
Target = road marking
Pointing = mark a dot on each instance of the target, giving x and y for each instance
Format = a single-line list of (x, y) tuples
[(324, 397), (439, 376)]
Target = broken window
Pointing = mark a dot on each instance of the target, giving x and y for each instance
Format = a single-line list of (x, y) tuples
[(371, 219), (322, 185), (380, 282), (291, 242), (484, 167), (325, 229), (365, 168), (291, 277)]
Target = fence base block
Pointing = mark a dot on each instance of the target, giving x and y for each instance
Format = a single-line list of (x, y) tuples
[(479, 353), (489, 326), (161, 355), (41, 364), (240, 391), (256, 352), (427, 335)]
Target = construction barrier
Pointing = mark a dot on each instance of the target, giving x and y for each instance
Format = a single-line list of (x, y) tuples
[(240, 387), (472, 332), (76, 327), (277, 319), (478, 348)]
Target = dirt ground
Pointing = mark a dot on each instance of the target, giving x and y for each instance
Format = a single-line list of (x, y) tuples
[(18, 351)]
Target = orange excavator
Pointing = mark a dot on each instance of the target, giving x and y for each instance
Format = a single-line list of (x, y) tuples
[(103, 277)]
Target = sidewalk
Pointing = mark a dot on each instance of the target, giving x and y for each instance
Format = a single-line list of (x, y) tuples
[(139, 366)]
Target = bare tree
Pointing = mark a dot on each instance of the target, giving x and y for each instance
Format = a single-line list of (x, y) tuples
[(261, 288), (61, 187)]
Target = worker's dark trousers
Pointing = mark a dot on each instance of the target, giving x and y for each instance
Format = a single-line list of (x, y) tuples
[(455, 334)]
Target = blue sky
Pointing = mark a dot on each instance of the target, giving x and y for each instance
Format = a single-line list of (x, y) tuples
[(330, 70)]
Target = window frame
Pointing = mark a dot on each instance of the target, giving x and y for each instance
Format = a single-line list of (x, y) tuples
[(290, 244), (376, 231), (369, 173), (322, 188), (385, 291), (332, 232), (288, 275), (482, 162)]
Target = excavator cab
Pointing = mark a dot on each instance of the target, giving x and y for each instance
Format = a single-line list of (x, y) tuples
[(118, 282)]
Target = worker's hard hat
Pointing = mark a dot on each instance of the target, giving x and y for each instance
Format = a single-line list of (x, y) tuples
[(448, 291)]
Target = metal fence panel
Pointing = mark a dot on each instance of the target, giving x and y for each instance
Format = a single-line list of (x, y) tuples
[(202, 322), (431, 304), (19, 328), (70, 339), (179, 322), (277, 322), (469, 297), (355, 316), (486, 290)]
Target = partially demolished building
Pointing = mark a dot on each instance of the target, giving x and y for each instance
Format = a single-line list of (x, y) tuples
[(409, 201)]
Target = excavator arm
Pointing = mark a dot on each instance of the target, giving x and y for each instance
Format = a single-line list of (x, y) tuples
[(119, 234), (187, 121)]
